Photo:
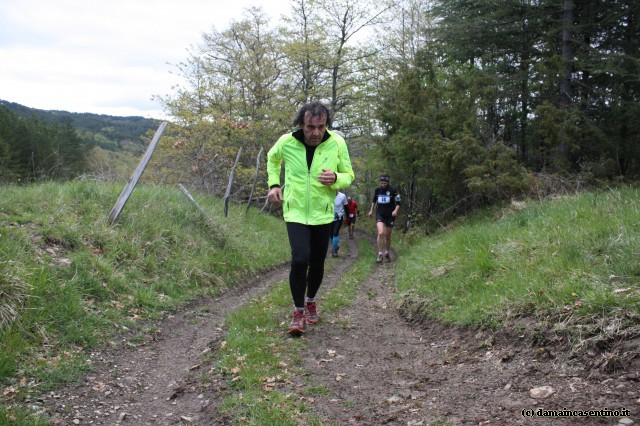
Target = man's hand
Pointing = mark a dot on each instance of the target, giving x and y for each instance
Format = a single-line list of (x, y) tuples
[(328, 177), (370, 214), (275, 195)]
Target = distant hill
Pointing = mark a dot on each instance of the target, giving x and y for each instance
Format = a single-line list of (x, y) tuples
[(111, 133)]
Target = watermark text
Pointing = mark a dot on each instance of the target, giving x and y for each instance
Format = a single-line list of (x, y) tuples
[(605, 412)]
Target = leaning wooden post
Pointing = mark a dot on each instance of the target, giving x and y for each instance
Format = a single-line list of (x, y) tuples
[(218, 236), (255, 178), (227, 193), (193, 201), (133, 180)]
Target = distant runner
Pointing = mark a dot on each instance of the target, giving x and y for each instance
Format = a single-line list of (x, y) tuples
[(350, 217), (339, 210), (386, 201)]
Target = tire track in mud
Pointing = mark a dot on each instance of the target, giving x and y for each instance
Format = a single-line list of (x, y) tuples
[(156, 382)]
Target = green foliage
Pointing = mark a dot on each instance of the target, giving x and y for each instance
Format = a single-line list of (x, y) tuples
[(108, 132), (463, 171), (111, 166), (234, 72), (498, 175), (436, 144), (37, 144), (12, 288), (255, 72), (557, 134), (201, 156), (6, 172), (475, 93)]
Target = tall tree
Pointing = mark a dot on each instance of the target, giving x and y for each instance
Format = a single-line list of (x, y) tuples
[(504, 43), (233, 100), (348, 62), (305, 53), (232, 72)]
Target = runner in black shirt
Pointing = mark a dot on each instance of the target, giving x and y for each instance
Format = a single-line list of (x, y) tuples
[(386, 201)]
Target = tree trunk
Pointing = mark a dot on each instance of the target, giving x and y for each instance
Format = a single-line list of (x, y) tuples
[(564, 100)]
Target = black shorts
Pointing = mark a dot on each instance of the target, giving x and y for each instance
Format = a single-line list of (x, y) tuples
[(388, 220), (350, 220)]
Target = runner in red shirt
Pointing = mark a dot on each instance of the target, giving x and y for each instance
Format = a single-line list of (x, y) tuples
[(350, 217)]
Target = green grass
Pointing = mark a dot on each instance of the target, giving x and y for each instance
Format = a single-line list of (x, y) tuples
[(555, 258), (262, 364), (69, 280)]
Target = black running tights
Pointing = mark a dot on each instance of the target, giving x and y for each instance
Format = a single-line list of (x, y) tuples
[(335, 227), (309, 245)]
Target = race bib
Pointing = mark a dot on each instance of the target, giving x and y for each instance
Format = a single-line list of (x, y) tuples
[(384, 199)]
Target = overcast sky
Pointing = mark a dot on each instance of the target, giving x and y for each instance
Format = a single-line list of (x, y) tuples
[(105, 56)]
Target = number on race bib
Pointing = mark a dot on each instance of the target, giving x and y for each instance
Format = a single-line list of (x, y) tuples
[(384, 199)]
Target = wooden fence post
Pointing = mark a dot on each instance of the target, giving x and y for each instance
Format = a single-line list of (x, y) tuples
[(227, 193), (217, 234), (193, 201), (255, 178), (133, 180)]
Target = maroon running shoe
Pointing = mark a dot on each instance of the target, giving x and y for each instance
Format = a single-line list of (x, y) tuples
[(387, 257), (312, 313), (298, 323)]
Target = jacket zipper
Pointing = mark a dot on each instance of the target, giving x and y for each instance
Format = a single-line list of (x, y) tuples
[(308, 192)]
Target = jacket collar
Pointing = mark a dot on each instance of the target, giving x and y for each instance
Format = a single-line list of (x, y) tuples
[(299, 135)]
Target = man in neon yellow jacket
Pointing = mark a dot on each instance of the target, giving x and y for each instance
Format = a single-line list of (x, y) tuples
[(316, 162)]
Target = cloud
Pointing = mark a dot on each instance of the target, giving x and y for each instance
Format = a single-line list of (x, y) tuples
[(106, 57)]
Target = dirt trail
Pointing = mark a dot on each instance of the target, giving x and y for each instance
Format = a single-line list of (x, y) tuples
[(375, 368), (379, 369), (156, 382)]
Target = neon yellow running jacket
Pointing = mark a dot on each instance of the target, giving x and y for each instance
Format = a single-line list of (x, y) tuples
[(305, 200)]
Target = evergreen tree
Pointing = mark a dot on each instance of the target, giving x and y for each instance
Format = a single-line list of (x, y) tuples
[(32, 150)]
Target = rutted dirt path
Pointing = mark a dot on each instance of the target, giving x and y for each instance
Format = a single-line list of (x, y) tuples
[(156, 383), (375, 368), (379, 369)]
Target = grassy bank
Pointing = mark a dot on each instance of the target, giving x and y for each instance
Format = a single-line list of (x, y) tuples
[(569, 261), (69, 281)]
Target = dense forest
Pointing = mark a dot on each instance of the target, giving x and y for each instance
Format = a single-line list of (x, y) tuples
[(464, 102), (31, 150), (106, 131), (37, 145)]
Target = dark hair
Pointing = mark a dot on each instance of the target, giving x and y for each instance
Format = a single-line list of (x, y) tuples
[(384, 177), (316, 109)]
